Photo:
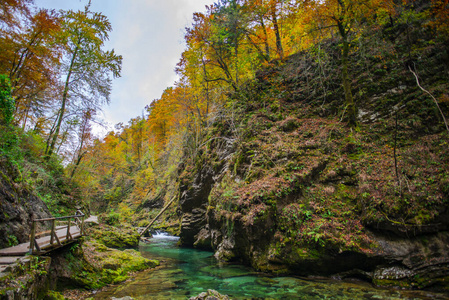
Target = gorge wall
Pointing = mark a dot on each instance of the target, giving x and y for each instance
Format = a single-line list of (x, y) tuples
[(287, 187), (18, 206)]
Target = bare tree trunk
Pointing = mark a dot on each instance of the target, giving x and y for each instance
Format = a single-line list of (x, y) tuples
[(267, 47), (433, 98), (63, 105), (279, 49), (350, 105)]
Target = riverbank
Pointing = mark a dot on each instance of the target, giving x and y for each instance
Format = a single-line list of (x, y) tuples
[(187, 272), (76, 270)]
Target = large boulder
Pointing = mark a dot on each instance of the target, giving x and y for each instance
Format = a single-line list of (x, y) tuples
[(92, 265), (115, 237)]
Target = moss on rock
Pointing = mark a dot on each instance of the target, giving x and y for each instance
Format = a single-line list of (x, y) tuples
[(26, 279), (92, 265), (116, 237)]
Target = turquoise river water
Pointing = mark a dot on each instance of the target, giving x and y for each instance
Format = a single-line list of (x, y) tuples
[(184, 273)]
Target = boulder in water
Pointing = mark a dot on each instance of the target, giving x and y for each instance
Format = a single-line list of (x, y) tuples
[(210, 295)]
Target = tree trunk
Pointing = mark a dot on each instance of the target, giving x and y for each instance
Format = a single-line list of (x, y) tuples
[(77, 163), (267, 47), (236, 53), (350, 105), (279, 49), (63, 105)]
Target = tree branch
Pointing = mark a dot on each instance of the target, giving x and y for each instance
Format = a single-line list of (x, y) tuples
[(433, 98)]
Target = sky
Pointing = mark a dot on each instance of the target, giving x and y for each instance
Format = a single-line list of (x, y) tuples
[(149, 34)]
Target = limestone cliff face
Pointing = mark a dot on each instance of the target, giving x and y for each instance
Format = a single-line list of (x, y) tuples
[(18, 206), (300, 192), (262, 234), (194, 200)]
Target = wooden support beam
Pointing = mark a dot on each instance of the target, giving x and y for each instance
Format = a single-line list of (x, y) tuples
[(33, 236), (82, 225), (36, 244), (57, 239), (52, 233), (68, 236)]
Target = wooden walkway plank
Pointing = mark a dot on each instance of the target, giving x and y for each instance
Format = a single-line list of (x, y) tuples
[(43, 242), (8, 260), (59, 236)]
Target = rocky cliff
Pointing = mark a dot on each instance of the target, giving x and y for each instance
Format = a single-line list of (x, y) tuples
[(18, 206), (282, 184)]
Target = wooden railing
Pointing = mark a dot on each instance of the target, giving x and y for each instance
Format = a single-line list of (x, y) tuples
[(78, 220)]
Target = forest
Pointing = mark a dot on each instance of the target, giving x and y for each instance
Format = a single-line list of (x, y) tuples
[(302, 137)]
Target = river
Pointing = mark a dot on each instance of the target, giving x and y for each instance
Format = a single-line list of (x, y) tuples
[(184, 273)]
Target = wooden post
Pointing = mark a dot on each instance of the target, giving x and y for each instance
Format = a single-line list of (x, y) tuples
[(32, 237), (82, 224), (68, 235), (52, 234)]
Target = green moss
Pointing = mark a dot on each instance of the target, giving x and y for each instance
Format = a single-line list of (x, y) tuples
[(93, 265), (53, 295), (116, 237), (393, 283)]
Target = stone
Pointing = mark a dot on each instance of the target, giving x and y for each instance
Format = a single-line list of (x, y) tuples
[(210, 295), (203, 239), (27, 280)]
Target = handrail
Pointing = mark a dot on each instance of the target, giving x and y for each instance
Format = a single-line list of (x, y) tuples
[(53, 236), (59, 218)]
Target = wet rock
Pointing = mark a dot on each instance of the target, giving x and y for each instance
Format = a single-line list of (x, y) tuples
[(419, 262), (193, 203), (191, 224), (203, 239), (225, 251), (210, 295)]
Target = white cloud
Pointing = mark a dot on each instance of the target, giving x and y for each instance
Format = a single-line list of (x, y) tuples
[(149, 35)]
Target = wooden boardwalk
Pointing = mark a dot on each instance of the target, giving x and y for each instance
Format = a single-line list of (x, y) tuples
[(41, 243)]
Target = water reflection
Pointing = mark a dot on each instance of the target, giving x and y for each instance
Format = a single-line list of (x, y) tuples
[(187, 272)]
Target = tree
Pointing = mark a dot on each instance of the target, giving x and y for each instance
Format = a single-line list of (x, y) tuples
[(256, 32), (440, 13), (8, 135), (274, 18), (10, 8), (215, 43), (84, 135), (345, 16), (29, 57), (229, 25), (6, 101), (86, 66)]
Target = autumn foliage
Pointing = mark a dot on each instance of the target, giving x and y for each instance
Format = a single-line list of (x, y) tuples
[(60, 76)]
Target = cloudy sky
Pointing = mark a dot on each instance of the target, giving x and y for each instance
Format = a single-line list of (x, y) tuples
[(149, 35)]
